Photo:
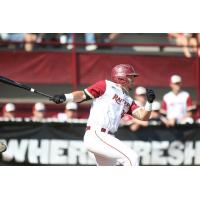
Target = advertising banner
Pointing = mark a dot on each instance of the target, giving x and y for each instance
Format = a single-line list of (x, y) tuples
[(62, 144)]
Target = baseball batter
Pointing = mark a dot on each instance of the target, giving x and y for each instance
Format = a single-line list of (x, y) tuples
[(111, 101)]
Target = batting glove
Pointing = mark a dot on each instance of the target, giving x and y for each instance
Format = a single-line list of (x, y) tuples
[(58, 98), (150, 95)]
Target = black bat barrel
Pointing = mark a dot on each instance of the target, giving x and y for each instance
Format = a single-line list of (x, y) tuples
[(23, 86)]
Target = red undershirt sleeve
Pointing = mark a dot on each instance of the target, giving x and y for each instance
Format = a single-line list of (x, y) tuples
[(189, 104), (163, 107)]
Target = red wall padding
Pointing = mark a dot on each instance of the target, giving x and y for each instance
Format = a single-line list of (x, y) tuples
[(36, 67), (153, 70), (56, 67)]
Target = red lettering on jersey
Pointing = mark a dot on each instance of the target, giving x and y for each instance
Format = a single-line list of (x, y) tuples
[(127, 104), (120, 100), (117, 99)]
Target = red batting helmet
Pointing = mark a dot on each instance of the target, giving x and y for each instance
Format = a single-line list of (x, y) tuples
[(121, 72)]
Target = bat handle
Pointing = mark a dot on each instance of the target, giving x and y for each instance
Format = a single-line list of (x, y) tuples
[(41, 93)]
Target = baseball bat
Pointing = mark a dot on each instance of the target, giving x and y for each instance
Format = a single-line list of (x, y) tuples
[(23, 86)]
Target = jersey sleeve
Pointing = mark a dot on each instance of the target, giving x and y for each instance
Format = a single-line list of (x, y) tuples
[(163, 109), (189, 104), (96, 90), (133, 108)]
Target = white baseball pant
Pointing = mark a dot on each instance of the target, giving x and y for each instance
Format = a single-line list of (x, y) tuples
[(108, 150)]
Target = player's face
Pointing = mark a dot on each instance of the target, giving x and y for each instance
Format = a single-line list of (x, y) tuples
[(141, 98), (176, 87), (130, 82), (71, 114), (39, 114), (9, 114)]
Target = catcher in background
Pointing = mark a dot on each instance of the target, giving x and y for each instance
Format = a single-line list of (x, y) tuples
[(111, 101)]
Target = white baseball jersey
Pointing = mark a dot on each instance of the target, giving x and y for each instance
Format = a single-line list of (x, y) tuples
[(176, 106), (62, 117), (109, 106)]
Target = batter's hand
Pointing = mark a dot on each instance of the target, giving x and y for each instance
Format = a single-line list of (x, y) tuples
[(150, 95), (58, 98)]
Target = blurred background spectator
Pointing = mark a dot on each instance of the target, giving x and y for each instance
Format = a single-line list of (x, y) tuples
[(28, 38), (48, 40), (89, 38), (155, 119), (38, 111), (140, 96), (185, 40), (107, 37), (9, 111), (177, 104), (194, 40), (70, 112), (156, 116), (36, 41), (136, 124)]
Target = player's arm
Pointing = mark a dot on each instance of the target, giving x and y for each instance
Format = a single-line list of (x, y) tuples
[(144, 113), (76, 96), (91, 92)]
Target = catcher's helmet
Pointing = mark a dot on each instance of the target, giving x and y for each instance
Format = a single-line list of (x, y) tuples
[(121, 72)]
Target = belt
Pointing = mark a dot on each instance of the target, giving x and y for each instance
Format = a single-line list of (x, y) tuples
[(102, 129)]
